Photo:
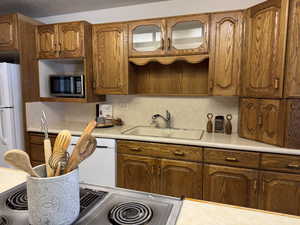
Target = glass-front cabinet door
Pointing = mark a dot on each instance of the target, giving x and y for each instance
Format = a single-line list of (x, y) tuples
[(187, 35), (147, 38)]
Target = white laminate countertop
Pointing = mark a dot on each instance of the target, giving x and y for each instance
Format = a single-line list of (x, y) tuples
[(209, 213), (192, 212), (208, 140)]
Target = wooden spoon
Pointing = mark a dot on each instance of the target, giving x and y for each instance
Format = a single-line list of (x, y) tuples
[(82, 151), (20, 160)]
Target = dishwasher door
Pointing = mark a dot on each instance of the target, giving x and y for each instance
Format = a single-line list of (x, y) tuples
[(100, 167)]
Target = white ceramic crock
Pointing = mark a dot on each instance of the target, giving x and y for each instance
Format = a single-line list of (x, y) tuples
[(53, 200)]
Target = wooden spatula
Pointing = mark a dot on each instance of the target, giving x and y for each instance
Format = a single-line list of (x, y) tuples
[(82, 151), (20, 160)]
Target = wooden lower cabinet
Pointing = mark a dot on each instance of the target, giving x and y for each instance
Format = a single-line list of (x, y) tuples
[(136, 172), (280, 192), (180, 178), (229, 185)]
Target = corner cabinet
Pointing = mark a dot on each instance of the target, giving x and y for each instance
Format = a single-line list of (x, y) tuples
[(64, 40), (8, 34), (225, 53), (183, 35), (110, 55), (265, 41)]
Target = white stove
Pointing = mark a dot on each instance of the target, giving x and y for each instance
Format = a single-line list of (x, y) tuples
[(100, 206)]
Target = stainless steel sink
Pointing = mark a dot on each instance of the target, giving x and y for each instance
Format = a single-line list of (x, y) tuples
[(165, 132)]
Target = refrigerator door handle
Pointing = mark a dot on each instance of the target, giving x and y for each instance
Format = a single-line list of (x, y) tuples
[(2, 138)]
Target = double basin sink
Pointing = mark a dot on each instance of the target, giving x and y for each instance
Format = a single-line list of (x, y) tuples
[(165, 132)]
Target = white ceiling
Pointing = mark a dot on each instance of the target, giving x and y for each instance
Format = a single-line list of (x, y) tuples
[(41, 8)]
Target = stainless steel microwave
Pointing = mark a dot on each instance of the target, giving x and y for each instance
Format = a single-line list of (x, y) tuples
[(67, 85)]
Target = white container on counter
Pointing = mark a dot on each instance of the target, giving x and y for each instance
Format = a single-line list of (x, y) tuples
[(53, 200)]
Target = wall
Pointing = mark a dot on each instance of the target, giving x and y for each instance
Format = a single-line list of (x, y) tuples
[(187, 112)]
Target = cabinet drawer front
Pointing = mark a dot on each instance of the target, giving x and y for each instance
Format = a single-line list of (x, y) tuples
[(231, 158), (284, 163), (179, 152)]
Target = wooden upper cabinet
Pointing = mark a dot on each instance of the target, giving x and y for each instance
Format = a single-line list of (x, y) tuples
[(110, 57), (292, 85), (136, 172), (47, 41), (271, 122), (147, 38), (280, 192), (180, 178), (8, 32), (234, 186), (71, 39), (265, 49), (248, 118), (187, 35), (225, 51), (65, 40)]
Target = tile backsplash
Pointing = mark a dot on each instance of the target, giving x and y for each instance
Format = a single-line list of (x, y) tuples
[(187, 112)]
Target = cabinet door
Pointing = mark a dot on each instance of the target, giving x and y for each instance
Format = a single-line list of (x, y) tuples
[(235, 186), (226, 50), (147, 38), (71, 39), (292, 85), (248, 120), (110, 59), (187, 35), (280, 193), (180, 178), (272, 122), (292, 134), (137, 172), (8, 34), (265, 49), (47, 42)]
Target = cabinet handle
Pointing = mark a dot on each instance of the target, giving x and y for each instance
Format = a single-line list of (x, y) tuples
[(260, 120), (162, 44), (293, 166), (59, 48), (169, 43), (152, 170), (178, 153), (136, 149), (276, 83), (159, 171), (255, 185), (211, 84), (231, 159)]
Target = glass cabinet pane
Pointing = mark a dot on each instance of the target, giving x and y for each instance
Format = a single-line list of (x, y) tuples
[(188, 35), (147, 38)]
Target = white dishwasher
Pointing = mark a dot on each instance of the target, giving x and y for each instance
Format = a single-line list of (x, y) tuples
[(100, 167)]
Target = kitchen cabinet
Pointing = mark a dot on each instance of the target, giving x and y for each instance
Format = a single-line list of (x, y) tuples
[(225, 53), (292, 132), (265, 39), (36, 147), (171, 170), (136, 172), (292, 81), (64, 40), (110, 56), (235, 186), (257, 118), (180, 178), (8, 35), (280, 193), (182, 35)]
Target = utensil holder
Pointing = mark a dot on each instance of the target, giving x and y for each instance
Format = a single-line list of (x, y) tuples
[(53, 200)]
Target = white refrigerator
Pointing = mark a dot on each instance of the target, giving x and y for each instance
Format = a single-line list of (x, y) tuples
[(11, 116)]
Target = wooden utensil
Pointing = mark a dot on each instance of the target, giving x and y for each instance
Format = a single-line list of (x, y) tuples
[(61, 145), (47, 144), (58, 168), (20, 160)]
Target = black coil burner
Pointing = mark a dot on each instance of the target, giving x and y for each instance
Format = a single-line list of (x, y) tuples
[(18, 200), (130, 213), (3, 221)]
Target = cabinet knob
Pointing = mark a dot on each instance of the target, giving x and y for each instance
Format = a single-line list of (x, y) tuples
[(136, 149), (178, 153), (231, 159)]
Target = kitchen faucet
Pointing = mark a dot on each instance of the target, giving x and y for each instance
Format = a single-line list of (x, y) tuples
[(167, 119)]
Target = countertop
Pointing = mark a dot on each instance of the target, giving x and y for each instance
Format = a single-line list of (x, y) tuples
[(208, 140), (192, 212)]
